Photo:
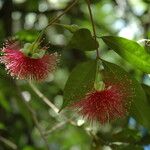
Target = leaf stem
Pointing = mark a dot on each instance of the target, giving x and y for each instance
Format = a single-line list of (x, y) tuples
[(44, 98), (93, 25)]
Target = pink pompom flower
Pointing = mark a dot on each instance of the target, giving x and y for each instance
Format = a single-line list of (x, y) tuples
[(29, 62), (106, 105)]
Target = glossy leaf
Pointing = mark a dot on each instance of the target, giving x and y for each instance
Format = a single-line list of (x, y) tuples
[(83, 40), (140, 108), (80, 82), (129, 50)]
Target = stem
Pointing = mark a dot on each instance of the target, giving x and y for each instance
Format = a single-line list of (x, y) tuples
[(56, 127), (55, 19), (34, 118), (8, 143), (59, 125), (59, 16), (44, 98), (93, 25)]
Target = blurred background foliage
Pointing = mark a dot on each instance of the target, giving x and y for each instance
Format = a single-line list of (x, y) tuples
[(24, 19)]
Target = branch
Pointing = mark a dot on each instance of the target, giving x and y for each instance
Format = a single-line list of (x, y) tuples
[(65, 11), (34, 117), (59, 125), (44, 98), (8, 143), (55, 19)]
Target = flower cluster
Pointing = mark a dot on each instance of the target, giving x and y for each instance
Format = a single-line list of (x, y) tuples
[(109, 104), (23, 65), (33, 63)]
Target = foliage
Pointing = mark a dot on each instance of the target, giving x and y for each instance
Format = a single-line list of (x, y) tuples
[(29, 118)]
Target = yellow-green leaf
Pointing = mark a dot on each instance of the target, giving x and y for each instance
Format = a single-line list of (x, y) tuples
[(80, 82), (130, 51)]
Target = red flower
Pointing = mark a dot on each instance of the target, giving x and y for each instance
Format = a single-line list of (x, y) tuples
[(106, 105), (23, 67)]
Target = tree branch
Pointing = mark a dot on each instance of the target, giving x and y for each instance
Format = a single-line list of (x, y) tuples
[(34, 117), (8, 143), (44, 98)]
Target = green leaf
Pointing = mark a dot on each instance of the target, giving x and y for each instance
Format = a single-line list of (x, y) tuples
[(127, 135), (80, 82), (72, 28), (140, 108), (83, 40), (130, 51)]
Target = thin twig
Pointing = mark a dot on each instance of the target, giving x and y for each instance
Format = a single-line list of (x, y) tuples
[(55, 19), (44, 98), (34, 118), (57, 126), (8, 143), (54, 108), (93, 25), (59, 16)]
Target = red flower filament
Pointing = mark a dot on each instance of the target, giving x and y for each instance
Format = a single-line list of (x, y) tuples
[(23, 67), (106, 105)]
